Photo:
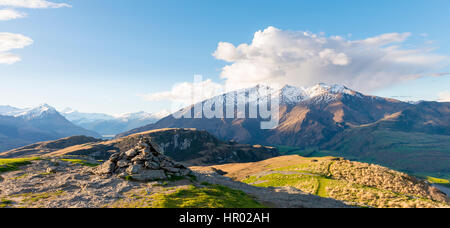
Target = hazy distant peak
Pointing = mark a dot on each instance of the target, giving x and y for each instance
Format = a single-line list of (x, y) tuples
[(6, 109), (136, 116)]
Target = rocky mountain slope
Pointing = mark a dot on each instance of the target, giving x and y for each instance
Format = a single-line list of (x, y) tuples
[(21, 127), (352, 182), (184, 145), (140, 177), (328, 117)]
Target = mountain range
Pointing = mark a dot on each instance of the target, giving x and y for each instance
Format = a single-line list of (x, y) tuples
[(20, 127), (413, 137), (108, 125)]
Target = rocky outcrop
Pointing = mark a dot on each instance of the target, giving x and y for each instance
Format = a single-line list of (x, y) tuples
[(142, 163), (190, 146), (197, 147)]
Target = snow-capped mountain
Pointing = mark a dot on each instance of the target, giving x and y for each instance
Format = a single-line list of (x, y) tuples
[(308, 115), (109, 125), (318, 93), (20, 127), (287, 95), (40, 112)]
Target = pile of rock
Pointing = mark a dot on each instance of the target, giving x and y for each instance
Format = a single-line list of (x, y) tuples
[(143, 163)]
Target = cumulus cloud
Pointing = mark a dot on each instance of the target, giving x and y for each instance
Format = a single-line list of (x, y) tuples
[(444, 96), (32, 4), (10, 41), (298, 58), (302, 59), (188, 92), (9, 14)]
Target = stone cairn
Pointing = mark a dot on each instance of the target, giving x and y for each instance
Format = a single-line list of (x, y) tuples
[(142, 163)]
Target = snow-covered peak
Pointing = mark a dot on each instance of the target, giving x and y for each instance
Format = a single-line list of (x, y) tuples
[(37, 112), (291, 94), (136, 116), (317, 93), (288, 94), (323, 88)]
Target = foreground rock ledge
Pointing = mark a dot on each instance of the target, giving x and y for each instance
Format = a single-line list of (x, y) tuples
[(142, 163)]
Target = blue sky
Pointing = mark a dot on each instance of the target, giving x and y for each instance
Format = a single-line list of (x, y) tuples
[(102, 56)]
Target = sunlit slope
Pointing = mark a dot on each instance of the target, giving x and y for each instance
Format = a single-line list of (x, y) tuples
[(354, 182)]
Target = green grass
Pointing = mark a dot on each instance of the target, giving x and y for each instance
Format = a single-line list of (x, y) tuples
[(5, 203), (209, 196), (313, 184), (7, 165), (323, 184), (213, 196), (439, 181), (36, 197), (80, 162)]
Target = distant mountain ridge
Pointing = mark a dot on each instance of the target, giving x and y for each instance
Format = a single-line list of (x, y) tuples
[(328, 117), (106, 124), (20, 127)]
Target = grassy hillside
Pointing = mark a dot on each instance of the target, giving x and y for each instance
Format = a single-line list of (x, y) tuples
[(354, 182), (414, 153)]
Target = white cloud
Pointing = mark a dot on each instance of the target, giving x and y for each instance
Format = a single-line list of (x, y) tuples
[(188, 93), (302, 59), (277, 57), (10, 41), (9, 14), (444, 96), (33, 4)]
